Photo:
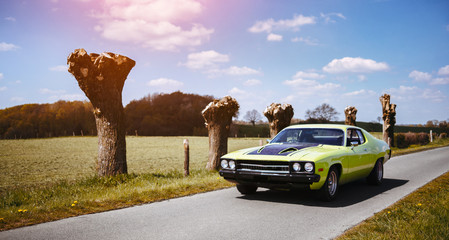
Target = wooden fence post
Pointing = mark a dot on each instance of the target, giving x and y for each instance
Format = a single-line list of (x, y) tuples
[(186, 158)]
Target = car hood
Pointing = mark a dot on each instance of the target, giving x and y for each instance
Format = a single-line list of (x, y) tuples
[(285, 152)]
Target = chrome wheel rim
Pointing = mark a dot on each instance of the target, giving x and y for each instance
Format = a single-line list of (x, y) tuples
[(332, 183), (380, 171)]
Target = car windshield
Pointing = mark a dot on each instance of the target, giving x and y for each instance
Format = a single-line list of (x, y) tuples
[(310, 135)]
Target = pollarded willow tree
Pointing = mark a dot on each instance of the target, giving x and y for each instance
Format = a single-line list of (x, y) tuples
[(350, 115), (218, 116), (101, 77), (279, 116), (389, 117)]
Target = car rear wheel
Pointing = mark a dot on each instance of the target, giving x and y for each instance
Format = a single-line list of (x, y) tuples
[(246, 189), (330, 188), (377, 174)]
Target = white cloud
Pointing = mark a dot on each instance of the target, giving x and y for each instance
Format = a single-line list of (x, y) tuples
[(355, 65), (7, 47), (59, 68), (444, 70), (427, 77), (240, 71), (17, 99), (11, 19), (413, 93), (205, 59), (312, 87), (289, 99), (274, 37), (420, 76), (1, 76), (3, 88), (152, 23), (288, 24), (433, 95), (48, 91), (210, 63), (311, 75), (236, 92), (328, 18), (308, 41), (360, 93), (68, 97), (164, 82), (361, 78), (252, 82), (440, 81), (154, 10)]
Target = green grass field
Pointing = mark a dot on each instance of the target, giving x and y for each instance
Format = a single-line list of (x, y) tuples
[(42, 161)]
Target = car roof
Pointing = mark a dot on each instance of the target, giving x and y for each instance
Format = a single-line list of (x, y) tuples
[(330, 126)]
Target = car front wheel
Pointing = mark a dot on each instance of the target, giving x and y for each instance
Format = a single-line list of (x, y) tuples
[(246, 189), (329, 190)]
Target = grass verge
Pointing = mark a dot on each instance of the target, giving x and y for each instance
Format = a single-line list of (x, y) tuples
[(418, 148), (27, 206), (423, 214)]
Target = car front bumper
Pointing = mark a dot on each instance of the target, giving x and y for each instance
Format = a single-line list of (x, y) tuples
[(270, 180)]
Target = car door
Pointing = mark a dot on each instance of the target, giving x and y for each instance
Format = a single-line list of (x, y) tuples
[(358, 158), (366, 158)]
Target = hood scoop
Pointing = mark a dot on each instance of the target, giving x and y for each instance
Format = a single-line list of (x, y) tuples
[(281, 149), (288, 150)]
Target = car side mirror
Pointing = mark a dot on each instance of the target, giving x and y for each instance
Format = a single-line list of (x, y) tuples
[(354, 144)]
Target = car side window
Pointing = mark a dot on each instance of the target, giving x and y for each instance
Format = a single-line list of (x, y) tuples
[(361, 136), (353, 137)]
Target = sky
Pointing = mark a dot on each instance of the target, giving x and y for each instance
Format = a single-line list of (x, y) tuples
[(305, 53)]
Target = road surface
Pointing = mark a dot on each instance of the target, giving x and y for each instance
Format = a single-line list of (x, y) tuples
[(226, 214)]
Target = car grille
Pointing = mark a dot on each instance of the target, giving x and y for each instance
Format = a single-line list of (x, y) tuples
[(269, 167)]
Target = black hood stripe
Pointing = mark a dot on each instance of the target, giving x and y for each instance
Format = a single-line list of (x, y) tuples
[(281, 149)]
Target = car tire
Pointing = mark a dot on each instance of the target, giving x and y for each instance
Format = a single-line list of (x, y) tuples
[(377, 174), (246, 189), (331, 186)]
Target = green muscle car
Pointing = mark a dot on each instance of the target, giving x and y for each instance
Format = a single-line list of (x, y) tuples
[(315, 156)]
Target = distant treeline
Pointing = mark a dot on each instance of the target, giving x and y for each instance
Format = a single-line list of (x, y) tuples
[(47, 120), (174, 114)]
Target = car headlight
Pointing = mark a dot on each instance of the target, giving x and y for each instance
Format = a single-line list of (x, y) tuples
[(224, 164), (296, 167), (232, 164), (308, 167)]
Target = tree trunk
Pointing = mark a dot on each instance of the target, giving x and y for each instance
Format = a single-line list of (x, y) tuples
[(218, 145), (350, 115), (389, 117), (218, 116), (101, 77), (279, 116), (111, 143)]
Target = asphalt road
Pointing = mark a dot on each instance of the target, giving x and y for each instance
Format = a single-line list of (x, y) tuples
[(226, 214)]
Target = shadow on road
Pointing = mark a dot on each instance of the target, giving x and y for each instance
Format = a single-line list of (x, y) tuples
[(349, 194)]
